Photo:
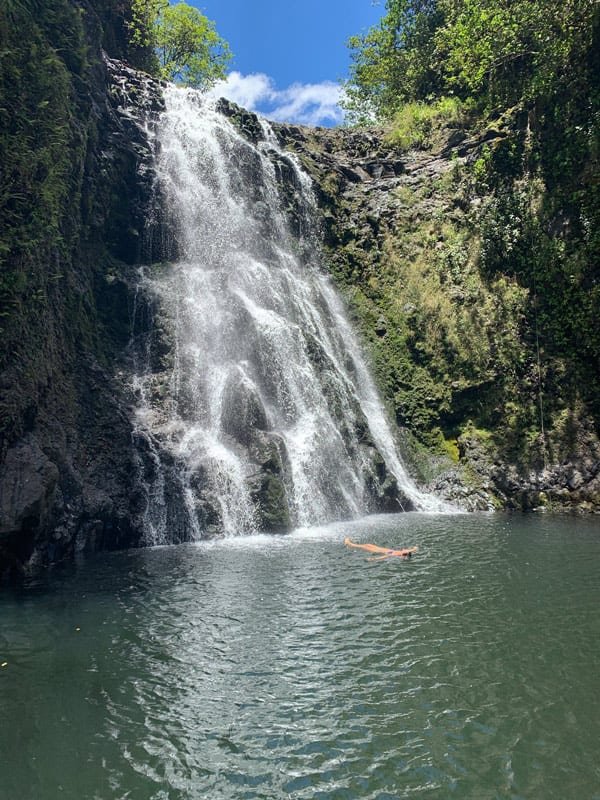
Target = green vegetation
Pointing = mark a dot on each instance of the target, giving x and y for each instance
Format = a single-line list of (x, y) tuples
[(490, 281), (43, 58), (499, 52), (53, 207), (446, 345), (189, 49), (178, 43), (35, 147), (414, 122)]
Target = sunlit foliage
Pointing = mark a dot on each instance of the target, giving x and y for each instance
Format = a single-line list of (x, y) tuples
[(179, 42)]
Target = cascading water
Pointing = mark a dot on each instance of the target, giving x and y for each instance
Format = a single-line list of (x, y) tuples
[(255, 408)]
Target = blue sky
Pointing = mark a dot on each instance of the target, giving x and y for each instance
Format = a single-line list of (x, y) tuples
[(289, 55)]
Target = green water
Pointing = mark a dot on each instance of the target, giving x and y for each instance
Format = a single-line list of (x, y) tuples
[(293, 668)]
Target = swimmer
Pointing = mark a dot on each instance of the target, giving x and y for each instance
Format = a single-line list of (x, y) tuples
[(384, 552)]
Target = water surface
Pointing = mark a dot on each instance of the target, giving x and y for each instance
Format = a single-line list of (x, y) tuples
[(291, 667)]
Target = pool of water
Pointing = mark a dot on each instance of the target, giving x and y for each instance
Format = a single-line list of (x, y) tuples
[(292, 667)]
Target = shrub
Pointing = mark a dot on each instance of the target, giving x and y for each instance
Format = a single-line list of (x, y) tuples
[(413, 124)]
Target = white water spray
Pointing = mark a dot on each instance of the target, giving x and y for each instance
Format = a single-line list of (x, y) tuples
[(261, 402)]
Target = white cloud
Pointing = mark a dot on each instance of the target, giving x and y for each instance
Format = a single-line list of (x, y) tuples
[(309, 104), (303, 103), (245, 90)]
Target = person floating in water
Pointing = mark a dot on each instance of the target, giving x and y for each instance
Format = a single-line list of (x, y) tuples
[(384, 552)]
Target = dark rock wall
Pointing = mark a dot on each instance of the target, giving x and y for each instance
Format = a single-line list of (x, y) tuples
[(77, 175)]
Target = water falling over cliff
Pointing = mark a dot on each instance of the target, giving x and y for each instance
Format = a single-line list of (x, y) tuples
[(255, 408)]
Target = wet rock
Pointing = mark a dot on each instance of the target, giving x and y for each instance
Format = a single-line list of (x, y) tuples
[(269, 496), (384, 491), (575, 480), (67, 470), (243, 413), (381, 327), (28, 480), (247, 122), (268, 485), (458, 487), (208, 514)]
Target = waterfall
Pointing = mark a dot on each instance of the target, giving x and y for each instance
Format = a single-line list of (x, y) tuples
[(255, 409)]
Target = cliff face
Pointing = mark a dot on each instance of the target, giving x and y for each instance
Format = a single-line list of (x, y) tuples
[(444, 255), (76, 184)]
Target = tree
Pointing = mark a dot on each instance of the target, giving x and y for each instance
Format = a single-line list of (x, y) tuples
[(496, 52), (189, 49), (396, 61), (142, 23), (506, 52), (178, 43)]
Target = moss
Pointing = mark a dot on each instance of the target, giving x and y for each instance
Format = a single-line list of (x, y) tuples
[(449, 340), (47, 65), (414, 124), (451, 448), (447, 334)]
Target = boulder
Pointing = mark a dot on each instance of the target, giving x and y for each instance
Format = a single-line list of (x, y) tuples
[(267, 485), (27, 482), (242, 413)]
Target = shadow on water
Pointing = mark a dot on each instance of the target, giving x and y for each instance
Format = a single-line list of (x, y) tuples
[(280, 667)]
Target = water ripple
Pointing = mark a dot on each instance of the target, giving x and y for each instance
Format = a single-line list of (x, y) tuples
[(292, 667)]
